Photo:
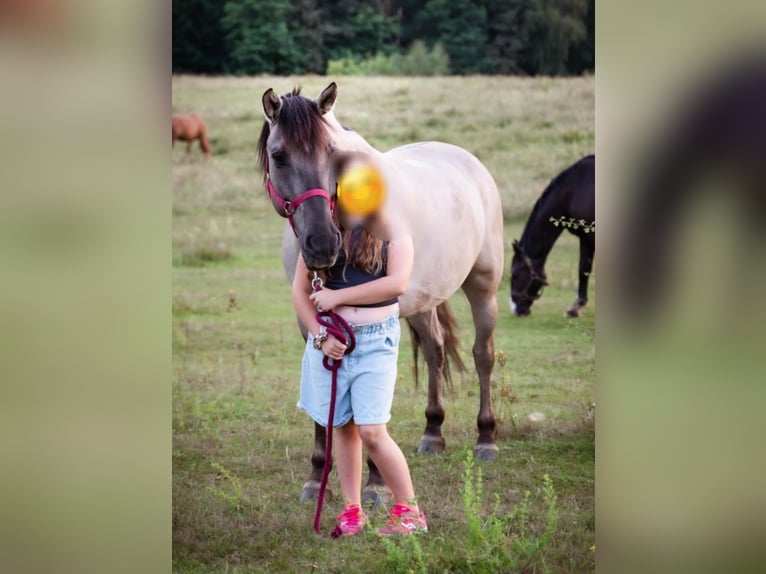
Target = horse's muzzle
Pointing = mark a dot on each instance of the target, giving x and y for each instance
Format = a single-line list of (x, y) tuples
[(518, 310), (319, 264), (320, 251)]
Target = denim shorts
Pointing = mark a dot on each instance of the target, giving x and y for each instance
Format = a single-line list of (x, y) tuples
[(366, 378)]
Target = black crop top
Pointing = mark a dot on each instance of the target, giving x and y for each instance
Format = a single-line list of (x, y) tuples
[(356, 276)]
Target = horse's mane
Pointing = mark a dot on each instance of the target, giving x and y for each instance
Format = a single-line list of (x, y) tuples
[(552, 186), (301, 124)]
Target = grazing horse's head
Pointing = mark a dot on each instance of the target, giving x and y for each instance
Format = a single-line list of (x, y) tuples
[(527, 281), (294, 149)]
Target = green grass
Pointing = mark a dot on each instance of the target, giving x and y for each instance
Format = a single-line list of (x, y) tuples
[(240, 447)]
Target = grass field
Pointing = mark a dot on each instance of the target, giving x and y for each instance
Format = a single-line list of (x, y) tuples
[(240, 447)]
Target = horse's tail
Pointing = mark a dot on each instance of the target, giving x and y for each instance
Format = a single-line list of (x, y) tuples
[(451, 352)]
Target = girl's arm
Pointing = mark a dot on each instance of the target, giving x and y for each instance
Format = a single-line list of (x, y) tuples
[(401, 255)]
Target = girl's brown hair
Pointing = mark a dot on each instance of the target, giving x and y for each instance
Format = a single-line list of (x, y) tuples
[(367, 251)]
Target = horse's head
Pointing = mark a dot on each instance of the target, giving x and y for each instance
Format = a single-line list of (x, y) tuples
[(527, 281), (294, 150)]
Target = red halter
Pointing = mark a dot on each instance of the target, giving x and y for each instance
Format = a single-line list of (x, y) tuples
[(289, 207)]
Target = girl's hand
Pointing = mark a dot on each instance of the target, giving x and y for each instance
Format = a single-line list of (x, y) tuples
[(333, 348), (325, 299)]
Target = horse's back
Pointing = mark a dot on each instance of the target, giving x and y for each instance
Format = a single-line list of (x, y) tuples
[(197, 119), (582, 184), (452, 205), (187, 126), (441, 161)]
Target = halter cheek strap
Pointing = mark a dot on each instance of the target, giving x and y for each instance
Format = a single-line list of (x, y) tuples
[(289, 207)]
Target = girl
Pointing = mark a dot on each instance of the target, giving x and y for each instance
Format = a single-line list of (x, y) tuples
[(362, 287)]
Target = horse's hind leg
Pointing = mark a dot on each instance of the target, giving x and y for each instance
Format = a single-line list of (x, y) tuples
[(189, 145), (431, 335), (586, 264), (481, 295)]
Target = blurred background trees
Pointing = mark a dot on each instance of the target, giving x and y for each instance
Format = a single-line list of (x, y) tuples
[(389, 37)]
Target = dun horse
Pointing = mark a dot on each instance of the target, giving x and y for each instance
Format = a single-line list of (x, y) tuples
[(569, 202), (452, 207), (190, 128)]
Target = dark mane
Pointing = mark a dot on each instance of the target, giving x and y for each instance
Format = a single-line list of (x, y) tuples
[(553, 185), (301, 124)]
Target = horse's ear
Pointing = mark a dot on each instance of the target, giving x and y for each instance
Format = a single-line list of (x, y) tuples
[(326, 99), (272, 105)]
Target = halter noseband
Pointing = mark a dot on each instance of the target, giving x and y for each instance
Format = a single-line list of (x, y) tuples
[(289, 206), (523, 295)]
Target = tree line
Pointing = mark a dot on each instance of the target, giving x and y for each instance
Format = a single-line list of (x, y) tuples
[(529, 37)]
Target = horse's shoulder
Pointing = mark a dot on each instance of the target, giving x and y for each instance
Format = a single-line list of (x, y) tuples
[(397, 230)]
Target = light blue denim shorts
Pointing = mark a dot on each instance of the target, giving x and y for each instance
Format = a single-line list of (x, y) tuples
[(366, 379)]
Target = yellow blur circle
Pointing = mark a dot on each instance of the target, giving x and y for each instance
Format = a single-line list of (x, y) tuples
[(361, 190)]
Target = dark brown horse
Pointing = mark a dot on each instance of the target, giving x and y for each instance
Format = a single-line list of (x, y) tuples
[(189, 128), (569, 202)]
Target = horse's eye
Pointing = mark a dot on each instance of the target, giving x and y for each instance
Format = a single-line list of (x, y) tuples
[(280, 160)]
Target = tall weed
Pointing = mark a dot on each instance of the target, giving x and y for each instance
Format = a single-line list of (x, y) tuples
[(507, 543), (405, 556), (234, 496)]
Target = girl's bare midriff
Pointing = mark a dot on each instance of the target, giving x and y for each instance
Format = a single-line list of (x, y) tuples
[(364, 315)]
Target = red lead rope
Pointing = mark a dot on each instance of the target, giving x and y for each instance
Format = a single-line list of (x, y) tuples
[(340, 329)]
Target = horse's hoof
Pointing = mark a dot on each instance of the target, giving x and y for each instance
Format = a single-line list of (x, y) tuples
[(374, 496), (485, 452), (572, 312), (311, 491), (431, 445)]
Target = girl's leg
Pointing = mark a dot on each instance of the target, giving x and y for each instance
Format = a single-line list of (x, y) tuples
[(348, 458), (390, 460)]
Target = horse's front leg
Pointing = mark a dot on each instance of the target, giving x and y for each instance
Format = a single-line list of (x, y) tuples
[(586, 264), (375, 492), (428, 329), (318, 457)]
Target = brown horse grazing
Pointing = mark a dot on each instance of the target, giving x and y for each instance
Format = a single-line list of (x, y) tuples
[(449, 203), (189, 128)]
